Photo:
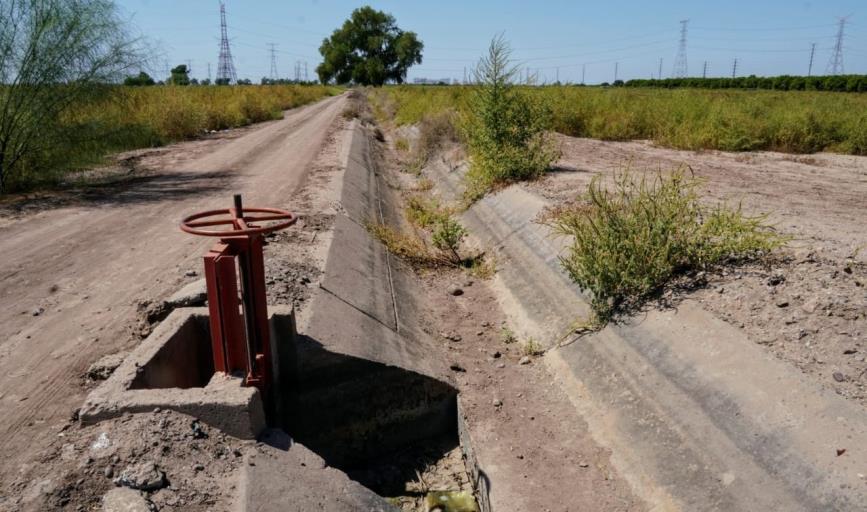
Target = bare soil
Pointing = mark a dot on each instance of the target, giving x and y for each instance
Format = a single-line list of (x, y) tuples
[(808, 304), (80, 263), (81, 464)]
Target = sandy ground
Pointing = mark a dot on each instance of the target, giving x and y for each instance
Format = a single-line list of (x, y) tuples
[(77, 264), (809, 305)]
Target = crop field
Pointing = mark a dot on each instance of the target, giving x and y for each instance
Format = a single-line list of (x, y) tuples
[(694, 119), (122, 118)]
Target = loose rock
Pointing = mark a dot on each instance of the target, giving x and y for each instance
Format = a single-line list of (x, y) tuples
[(145, 476), (125, 500), (524, 360)]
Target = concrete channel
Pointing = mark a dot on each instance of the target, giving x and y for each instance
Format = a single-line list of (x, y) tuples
[(357, 379), (697, 416)]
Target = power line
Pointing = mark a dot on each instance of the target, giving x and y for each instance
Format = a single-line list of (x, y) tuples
[(680, 66), (225, 66)]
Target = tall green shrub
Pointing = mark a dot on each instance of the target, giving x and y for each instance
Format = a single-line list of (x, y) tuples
[(505, 128)]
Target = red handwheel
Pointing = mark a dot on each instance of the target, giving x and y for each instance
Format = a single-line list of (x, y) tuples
[(240, 220)]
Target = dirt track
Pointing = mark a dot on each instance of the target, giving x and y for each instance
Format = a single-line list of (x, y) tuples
[(73, 272)]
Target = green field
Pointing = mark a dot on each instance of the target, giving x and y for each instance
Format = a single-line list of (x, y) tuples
[(730, 120), (124, 118)]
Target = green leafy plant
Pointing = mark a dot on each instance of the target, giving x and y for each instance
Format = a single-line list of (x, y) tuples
[(447, 236), (505, 128), (631, 238)]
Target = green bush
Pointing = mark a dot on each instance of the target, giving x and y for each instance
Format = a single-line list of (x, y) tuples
[(505, 128), (632, 238), (447, 236)]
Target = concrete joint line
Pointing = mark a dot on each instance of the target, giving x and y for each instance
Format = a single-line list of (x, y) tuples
[(365, 313), (382, 221)]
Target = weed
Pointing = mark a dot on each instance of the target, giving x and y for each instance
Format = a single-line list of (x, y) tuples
[(628, 241), (424, 184), (532, 348), (447, 236), (401, 144), (424, 213), (507, 336), (404, 246), (480, 267)]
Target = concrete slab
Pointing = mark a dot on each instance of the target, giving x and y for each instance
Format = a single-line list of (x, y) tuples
[(358, 272), (344, 329), (359, 194), (165, 371), (282, 476)]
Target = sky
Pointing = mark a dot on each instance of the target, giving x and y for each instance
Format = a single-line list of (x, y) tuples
[(572, 40)]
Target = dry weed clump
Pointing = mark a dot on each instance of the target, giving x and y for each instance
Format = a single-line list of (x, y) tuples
[(630, 239)]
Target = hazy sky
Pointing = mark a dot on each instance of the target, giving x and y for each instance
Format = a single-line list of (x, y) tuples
[(768, 37)]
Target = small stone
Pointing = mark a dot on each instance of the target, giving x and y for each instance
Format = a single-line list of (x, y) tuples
[(501, 365), (191, 273), (125, 500), (105, 366), (457, 368), (199, 467), (496, 354), (108, 472), (456, 291), (583, 465), (497, 402), (850, 351), (776, 279), (782, 303), (839, 377), (37, 311), (524, 360), (145, 476), (156, 410)]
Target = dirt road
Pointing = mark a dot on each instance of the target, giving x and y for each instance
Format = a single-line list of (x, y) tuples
[(72, 273)]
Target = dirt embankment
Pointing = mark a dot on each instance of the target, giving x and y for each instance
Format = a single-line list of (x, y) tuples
[(808, 306)]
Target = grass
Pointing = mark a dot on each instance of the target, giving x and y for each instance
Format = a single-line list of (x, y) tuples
[(633, 237), (694, 119), (127, 118)]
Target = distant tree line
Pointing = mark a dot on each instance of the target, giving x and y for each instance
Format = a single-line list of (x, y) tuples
[(180, 75), (835, 83)]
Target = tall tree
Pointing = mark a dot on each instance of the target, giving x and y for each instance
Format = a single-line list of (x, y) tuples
[(369, 49), (54, 54), (180, 75)]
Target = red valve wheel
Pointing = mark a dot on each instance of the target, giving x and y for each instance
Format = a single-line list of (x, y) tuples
[(241, 225)]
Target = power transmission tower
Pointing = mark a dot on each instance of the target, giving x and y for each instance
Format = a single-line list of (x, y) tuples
[(812, 54), (704, 70), (225, 67), (735, 68), (616, 64), (660, 69), (835, 65), (189, 67), (272, 50), (209, 71), (680, 68), (305, 70)]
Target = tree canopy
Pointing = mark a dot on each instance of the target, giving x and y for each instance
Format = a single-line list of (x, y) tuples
[(369, 49)]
